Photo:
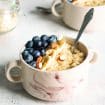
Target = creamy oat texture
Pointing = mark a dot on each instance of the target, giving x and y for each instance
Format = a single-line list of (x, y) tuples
[(59, 56), (89, 2)]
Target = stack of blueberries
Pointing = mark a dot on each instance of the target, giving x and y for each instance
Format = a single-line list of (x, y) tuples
[(37, 47)]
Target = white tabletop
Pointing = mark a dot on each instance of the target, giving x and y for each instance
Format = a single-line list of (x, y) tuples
[(33, 23)]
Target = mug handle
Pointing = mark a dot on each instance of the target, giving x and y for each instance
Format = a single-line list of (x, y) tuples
[(93, 56), (53, 8), (9, 67)]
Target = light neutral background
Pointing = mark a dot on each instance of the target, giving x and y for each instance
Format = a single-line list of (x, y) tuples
[(33, 23)]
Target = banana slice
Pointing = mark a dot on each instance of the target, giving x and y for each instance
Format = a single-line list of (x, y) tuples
[(51, 54)]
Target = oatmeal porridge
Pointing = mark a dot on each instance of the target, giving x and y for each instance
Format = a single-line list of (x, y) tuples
[(59, 56), (89, 2), (50, 53)]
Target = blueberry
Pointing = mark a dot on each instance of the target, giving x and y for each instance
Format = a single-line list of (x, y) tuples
[(30, 50), (43, 52), (44, 37), (35, 38), (36, 54), (44, 44), (33, 64), (52, 38), (25, 53), (38, 44), (29, 44), (28, 58)]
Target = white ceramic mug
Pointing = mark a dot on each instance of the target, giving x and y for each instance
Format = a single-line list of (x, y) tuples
[(73, 15), (54, 85)]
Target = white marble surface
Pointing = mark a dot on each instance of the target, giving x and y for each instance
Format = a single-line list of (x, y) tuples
[(33, 23)]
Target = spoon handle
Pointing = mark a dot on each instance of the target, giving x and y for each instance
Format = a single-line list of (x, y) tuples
[(87, 18), (44, 9)]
